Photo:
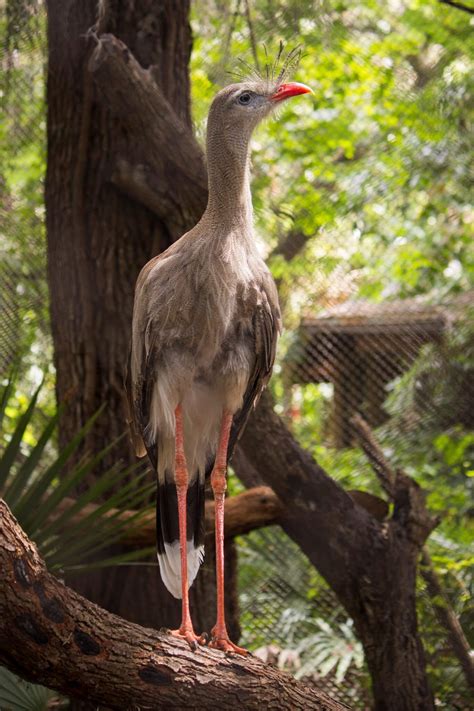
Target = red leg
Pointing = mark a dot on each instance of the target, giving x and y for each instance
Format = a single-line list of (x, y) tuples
[(186, 630), (219, 636)]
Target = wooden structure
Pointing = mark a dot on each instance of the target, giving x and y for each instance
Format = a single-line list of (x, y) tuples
[(360, 347)]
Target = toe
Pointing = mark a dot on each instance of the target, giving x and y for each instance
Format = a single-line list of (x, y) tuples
[(225, 645), (190, 636)]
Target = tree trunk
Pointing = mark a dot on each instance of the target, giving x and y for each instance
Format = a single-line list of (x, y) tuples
[(98, 240), (385, 618)]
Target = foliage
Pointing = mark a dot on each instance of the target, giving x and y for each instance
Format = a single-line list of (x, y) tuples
[(35, 485), (67, 531), (282, 604), (390, 119), (19, 695), (330, 650), (24, 296)]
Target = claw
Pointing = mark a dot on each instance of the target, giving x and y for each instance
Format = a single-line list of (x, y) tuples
[(225, 645), (190, 636)]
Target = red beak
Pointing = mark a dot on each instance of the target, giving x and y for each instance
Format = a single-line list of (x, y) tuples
[(285, 91)]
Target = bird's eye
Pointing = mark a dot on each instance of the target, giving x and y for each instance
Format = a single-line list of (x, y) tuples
[(244, 98)]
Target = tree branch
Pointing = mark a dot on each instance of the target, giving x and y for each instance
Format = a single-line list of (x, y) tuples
[(252, 509), (52, 635), (315, 505), (166, 146), (443, 610), (458, 6), (244, 512), (372, 450)]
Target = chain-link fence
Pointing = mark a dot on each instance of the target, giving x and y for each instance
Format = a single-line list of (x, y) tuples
[(406, 365), (24, 293)]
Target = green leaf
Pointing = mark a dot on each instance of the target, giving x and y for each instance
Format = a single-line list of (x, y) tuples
[(5, 397), (29, 501), (66, 485), (16, 694), (13, 447), (19, 482)]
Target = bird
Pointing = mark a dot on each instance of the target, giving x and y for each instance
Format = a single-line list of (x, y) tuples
[(206, 321)]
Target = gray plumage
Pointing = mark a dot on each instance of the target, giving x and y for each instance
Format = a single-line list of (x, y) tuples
[(205, 327)]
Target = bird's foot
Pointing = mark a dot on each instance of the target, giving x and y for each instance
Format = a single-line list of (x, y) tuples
[(190, 636), (220, 640)]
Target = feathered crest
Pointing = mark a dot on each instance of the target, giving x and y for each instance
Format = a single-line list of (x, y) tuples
[(275, 71)]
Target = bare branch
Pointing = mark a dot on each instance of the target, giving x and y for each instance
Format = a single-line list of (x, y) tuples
[(374, 454), (458, 6)]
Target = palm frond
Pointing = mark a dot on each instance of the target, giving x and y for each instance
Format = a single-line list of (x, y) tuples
[(13, 447), (20, 695), (69, 528)]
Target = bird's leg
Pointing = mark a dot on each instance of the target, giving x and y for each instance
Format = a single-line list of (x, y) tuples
[(186, 630), (219, 636)]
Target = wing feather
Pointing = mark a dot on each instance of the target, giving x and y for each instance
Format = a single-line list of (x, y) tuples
[(135, 433), (266, 327), (140, 378)]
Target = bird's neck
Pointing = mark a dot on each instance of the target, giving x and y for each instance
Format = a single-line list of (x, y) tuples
[(229, 204)]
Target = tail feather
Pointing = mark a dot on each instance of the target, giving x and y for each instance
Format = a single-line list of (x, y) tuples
[(167, 533)]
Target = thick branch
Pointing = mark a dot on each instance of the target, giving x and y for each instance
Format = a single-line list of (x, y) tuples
[(165, 146), (315, 505), (244, 512), (52, 635), (256, 508)]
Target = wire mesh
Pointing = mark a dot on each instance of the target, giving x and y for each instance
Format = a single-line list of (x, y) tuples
[(23, 285), (396, 363)]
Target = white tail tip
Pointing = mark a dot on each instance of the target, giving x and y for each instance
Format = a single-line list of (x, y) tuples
[(170, 565)]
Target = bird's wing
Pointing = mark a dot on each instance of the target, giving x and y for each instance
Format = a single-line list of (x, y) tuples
[(140, 377), (266, 327), (135, 434)]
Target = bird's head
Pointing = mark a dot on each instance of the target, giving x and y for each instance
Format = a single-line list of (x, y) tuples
[(238, 108)]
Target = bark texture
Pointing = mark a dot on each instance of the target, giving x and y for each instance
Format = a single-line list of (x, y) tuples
[(99, 238), (52, 635)]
